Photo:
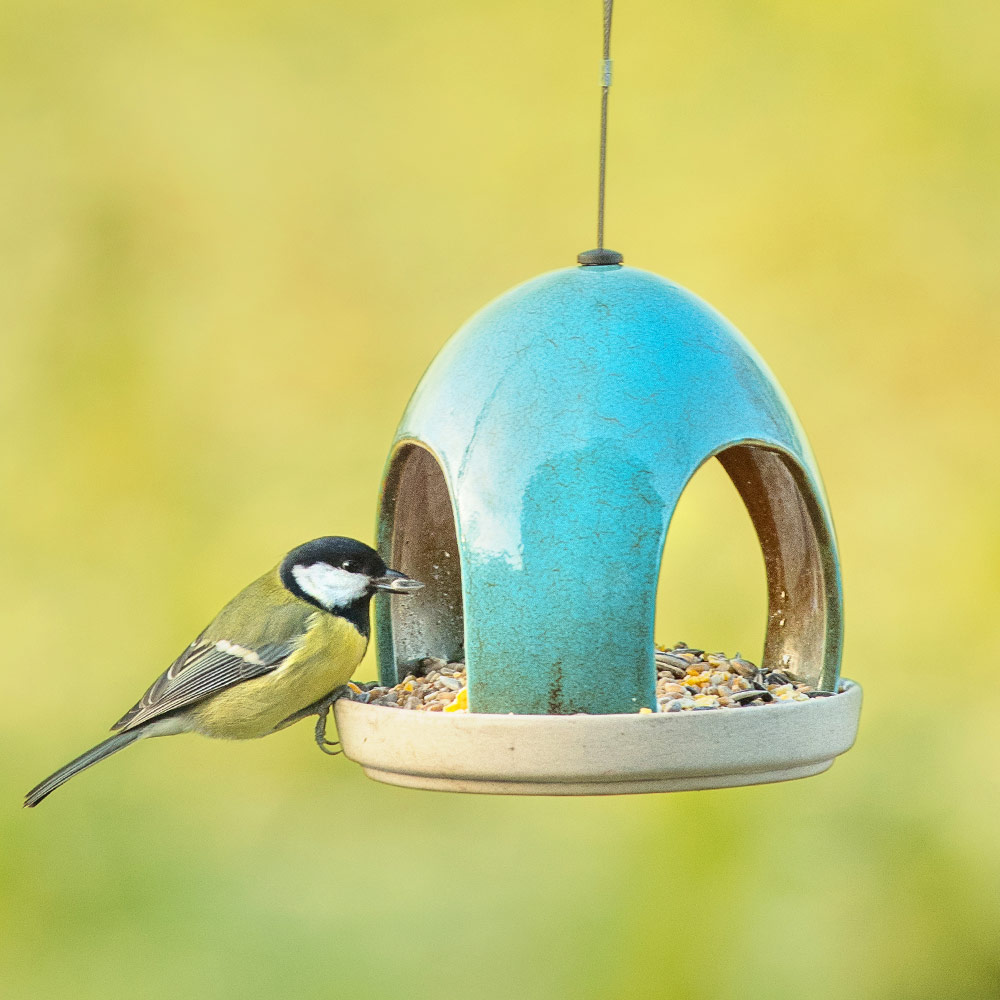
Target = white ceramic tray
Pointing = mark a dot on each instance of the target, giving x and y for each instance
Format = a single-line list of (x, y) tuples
[(598, 754)]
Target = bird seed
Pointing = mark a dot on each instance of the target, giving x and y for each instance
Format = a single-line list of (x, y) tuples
[(687, 680)]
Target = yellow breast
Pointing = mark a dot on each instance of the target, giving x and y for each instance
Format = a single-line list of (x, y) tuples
[(330, 653)]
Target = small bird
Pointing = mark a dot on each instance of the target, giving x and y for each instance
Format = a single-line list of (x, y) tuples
[(278, 652)]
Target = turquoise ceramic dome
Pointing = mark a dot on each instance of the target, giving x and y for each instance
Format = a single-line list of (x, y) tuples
[(534, 474)]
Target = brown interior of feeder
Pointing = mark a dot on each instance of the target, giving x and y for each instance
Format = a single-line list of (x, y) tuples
[(803, 625), (423, 545), (803, 630)]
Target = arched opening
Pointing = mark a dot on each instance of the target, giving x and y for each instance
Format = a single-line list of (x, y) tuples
[(417, 536), (712, 589), (716, 592)]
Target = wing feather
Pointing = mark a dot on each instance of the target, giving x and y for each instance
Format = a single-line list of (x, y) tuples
[(203, 669)]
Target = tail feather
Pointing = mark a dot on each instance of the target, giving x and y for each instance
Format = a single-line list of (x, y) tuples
[(111, 745)]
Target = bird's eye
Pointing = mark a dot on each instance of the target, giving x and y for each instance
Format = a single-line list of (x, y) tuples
[(350, 565)]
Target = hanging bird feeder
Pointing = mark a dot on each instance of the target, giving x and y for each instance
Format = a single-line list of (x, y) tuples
[(531, 485)]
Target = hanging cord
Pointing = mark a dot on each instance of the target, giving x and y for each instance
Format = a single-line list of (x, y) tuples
[(600, 255), (605, 87)]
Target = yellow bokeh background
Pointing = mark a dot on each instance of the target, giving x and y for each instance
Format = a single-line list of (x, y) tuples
[(234, 235)]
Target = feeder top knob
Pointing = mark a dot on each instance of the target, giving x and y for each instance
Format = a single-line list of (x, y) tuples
[(590, 258)]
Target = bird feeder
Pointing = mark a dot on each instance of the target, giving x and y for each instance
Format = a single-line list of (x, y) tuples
[(530, 486)]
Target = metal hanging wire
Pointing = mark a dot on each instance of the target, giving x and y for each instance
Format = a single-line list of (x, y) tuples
[(601, 255)]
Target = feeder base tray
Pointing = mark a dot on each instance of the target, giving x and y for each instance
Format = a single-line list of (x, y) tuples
[(598, 754), (432, 784)]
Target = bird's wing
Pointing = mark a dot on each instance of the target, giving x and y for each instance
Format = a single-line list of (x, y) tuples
[(251, 636), (203, 669)]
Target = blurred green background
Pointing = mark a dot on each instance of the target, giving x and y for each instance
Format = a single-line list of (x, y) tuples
[(232, 238)]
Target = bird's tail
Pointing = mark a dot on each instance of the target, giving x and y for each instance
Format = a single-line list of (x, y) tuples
[(111, 745)]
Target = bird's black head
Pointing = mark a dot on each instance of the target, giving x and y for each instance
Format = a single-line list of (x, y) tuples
[(338, 574)]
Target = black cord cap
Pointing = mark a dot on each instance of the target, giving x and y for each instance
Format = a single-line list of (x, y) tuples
[(602, 256)]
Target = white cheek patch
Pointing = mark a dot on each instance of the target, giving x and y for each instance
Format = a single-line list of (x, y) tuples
[(331, 586)]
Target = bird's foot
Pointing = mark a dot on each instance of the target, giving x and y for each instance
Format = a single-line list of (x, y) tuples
[(323, 714), (321, 741), (321, 709)]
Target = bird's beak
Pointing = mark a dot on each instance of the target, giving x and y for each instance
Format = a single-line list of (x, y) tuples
[(396, 583)]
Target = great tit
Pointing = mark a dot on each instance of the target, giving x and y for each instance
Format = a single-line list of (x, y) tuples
[(278, 652)]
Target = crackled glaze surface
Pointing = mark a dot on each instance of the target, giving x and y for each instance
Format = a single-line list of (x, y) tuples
[(534, 475)]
